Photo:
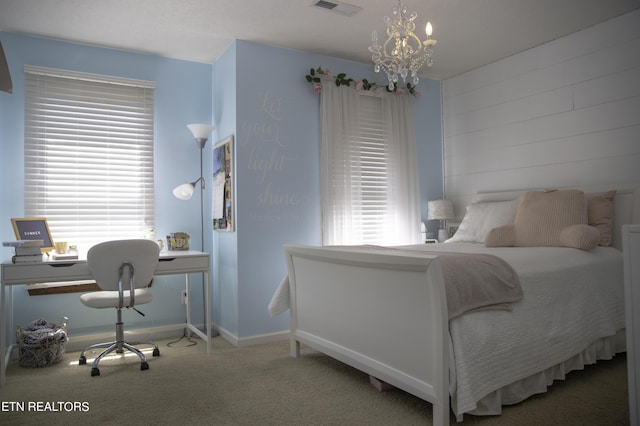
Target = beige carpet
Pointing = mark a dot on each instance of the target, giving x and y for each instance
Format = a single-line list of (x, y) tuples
[(262, 385)]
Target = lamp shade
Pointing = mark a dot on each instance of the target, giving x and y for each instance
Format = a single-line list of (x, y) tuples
[(440, 210), (201, 131), (184, 191)]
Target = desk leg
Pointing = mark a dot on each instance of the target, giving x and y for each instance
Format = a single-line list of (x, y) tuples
[(3, 336), (7, 320), (188, 304), (207, 298), (207, 294)]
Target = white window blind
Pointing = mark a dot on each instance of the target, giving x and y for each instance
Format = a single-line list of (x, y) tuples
[(89, 155), (369, 166)]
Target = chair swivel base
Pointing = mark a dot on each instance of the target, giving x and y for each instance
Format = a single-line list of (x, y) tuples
[(118, 347)]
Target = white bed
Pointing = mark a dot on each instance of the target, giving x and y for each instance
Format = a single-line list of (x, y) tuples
[(385, 313)]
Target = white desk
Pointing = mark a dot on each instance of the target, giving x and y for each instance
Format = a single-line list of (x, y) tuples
[(171, 263)]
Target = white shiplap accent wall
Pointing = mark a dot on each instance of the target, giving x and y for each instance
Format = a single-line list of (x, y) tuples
[(561, 114)]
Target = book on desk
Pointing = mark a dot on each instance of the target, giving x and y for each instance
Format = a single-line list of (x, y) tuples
[(23, 243), (26, 251), (27, 258)]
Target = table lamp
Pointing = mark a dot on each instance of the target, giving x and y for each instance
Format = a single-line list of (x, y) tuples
[(441, 210)]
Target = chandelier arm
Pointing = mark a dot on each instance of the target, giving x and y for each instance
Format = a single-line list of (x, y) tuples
[(418, 43)]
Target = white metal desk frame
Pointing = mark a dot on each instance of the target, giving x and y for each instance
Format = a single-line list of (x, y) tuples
[(171, 263)]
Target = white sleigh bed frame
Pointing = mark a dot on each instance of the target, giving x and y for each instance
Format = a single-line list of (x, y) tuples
[(342, 304), (397, 333)]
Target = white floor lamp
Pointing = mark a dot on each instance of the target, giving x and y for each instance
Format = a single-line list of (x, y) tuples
[(185, 191)]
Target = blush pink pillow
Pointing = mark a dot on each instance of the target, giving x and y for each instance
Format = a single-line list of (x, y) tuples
[(542, 215)]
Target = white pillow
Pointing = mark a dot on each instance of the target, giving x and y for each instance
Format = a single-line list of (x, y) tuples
[(482, 217)]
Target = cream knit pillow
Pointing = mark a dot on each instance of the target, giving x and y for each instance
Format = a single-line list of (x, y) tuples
[(501, 236), (583, 237), (542, 215), (600, 212)]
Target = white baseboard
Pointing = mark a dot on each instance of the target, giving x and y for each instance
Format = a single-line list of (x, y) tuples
[(228, 336), (78, 343), (242, 342)]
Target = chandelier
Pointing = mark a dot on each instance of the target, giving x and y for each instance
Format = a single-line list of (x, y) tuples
[(403, 53)]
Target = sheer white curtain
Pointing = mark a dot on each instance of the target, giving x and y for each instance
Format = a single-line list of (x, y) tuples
[(369, 176)]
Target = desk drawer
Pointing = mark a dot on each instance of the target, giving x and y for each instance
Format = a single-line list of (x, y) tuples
[(182, 264), (30, 273)]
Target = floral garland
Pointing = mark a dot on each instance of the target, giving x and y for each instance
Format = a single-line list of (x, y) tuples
[(316, 76)]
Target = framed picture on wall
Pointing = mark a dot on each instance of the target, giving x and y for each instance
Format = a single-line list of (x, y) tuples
[(33, 228), (223, 202)]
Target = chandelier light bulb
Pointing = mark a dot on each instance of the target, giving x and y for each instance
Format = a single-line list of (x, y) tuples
[(429, 29)]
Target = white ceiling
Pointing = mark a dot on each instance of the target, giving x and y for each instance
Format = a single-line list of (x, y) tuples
[(470, 33)]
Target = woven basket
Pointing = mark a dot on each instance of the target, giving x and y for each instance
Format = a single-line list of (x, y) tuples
[(41, 343)]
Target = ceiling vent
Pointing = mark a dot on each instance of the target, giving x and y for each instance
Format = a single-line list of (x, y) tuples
[(337, 7)]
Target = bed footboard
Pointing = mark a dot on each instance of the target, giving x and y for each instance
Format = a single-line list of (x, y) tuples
[(382, 313)]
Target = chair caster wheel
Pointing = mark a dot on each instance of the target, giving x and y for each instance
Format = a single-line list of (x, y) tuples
[(156, 352), (82, 360), (144, 366), (95, 372)]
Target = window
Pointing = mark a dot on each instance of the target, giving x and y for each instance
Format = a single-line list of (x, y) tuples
[(89, 155), (369, 186), (369, 170)]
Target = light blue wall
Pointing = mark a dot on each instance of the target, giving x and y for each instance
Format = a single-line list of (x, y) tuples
[(225, 244), (261, 97), (277, 133), (182, 96)]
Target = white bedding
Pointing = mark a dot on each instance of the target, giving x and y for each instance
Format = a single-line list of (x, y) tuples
[(502, 357), (550, 325)]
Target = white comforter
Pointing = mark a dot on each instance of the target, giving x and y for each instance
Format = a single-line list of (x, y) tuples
[(572, 298)]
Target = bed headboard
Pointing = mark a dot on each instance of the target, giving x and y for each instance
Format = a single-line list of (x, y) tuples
[(626, 209)]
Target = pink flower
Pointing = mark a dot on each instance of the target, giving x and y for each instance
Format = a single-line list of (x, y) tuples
[(378, 90), (399, 92), (327, 74), (316, 88), (417, 95), (359, 85)]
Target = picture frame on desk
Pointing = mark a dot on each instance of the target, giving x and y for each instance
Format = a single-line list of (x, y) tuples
[(33, 228)]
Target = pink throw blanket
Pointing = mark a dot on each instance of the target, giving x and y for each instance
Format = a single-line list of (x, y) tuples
[(474, 281)]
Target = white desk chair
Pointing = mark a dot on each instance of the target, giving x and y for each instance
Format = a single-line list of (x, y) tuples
[(123, 270)]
